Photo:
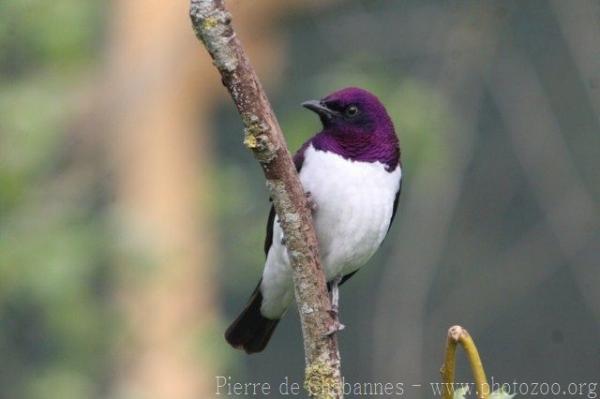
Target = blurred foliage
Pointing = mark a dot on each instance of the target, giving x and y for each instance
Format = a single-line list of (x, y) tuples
[(53, 269), (36, 35)]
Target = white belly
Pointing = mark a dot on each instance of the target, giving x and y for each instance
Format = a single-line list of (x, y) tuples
[(355, 204)]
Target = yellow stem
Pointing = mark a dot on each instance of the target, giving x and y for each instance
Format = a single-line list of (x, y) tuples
[(448, 367), (456, 335)]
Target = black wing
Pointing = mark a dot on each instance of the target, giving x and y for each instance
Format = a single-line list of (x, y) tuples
[(395, 208), (269, 236)]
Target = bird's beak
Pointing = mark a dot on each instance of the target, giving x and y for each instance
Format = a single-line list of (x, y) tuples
[(320, 108)]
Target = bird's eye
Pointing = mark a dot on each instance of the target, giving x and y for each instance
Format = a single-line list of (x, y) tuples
[(352, 111)]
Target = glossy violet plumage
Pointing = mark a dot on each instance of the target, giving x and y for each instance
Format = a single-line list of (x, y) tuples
[(366, 136)]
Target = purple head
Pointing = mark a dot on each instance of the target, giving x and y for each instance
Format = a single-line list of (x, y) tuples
[(356, 126)]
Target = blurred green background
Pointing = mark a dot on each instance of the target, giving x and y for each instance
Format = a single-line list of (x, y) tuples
[(132, 217)]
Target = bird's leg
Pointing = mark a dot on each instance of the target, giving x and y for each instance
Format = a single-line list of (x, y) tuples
[(335, 294), (335, 306), (312, 205)]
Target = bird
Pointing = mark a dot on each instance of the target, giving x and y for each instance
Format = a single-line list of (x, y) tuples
[(351, 172)]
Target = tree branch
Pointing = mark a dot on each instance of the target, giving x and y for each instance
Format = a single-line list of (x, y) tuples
[(263, 136)]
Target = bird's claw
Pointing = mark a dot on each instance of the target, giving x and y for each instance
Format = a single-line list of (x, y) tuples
[(312, 205), (335, 327)]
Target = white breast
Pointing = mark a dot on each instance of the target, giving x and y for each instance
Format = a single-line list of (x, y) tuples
[(355, 204)]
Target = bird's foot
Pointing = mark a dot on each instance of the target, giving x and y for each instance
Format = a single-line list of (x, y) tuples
[(312, 205), (335, 327), (335, 293)]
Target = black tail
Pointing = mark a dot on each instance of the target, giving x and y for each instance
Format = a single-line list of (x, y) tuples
[(251, 331)]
